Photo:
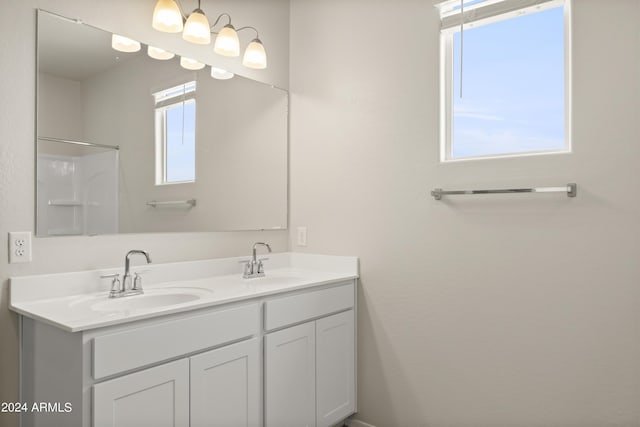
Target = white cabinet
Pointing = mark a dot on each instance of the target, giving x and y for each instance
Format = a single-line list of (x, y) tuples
[(220, 387), (130, 348), (335, 368), (225, 386), (290, 373), (310, 367), (156, 397), (281, 361)]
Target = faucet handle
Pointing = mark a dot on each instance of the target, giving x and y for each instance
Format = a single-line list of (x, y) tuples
[(115, 286), (115, 283), (114, 276), (137, 280), (248, 268)]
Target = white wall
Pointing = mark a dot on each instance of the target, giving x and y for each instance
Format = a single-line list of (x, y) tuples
[(506, 310), (61, 99), (17, 118)]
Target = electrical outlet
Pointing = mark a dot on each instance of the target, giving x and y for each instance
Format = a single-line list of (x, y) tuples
[(19, 246), (302, 236)]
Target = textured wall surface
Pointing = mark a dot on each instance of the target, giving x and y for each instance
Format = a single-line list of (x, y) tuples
[(517, 310)]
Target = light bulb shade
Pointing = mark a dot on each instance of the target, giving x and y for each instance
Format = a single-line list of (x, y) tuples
[(255, 55), (196, 29), (157, 53), (124, 44), (191, 64), (227, 42), (167, 17), (220, 74)]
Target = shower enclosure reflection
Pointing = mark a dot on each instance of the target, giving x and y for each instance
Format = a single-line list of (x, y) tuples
[(77, 189)]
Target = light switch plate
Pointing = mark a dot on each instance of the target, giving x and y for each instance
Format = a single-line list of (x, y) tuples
[(19, 246)]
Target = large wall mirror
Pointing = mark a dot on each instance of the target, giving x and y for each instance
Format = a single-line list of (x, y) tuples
[(131, 144)]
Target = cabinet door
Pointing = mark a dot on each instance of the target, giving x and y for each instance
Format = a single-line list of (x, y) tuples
[(290, 399), (335, 367), (156, 397), (225, 386)]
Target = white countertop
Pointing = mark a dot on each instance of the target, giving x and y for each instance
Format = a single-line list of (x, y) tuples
[(69, 300)]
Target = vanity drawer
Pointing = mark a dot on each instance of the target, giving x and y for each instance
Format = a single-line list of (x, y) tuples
[(285, 311), (141, 346)]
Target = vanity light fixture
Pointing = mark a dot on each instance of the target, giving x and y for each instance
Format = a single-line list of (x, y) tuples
[(167, 17), (124, 44), (157, 53), (221, 74), (191, 64), (197, 29), (227, 41), (255, 55)]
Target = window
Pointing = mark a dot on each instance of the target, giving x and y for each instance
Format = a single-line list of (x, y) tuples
[(514, 98), (175, 126)]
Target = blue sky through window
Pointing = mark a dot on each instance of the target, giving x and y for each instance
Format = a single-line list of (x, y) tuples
[(181, 153), (513, 87)]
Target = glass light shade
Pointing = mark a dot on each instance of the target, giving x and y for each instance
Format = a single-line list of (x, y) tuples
[(196, 29), (255, 55), (227, 42), (191, 64), (167, 17), (157, 53), (220, 74), (124, 44)]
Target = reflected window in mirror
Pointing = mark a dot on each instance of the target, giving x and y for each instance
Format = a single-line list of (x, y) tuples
[(175, 125)]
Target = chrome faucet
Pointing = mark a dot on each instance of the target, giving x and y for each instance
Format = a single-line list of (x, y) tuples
[(254, 267), (126, 288)]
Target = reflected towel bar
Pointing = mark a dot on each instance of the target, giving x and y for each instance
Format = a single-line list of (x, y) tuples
[(87, 144), (153, 203), (570, 189)]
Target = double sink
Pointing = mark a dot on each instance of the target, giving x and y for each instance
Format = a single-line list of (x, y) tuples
[(79, 301)]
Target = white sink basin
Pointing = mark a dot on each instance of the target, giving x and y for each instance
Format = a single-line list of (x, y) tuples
[(140, 302), (151, 299)]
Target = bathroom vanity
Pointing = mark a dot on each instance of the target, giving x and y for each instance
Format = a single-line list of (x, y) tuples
[(202, 346)]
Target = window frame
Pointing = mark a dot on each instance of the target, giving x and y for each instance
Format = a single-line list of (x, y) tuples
[(162, 103), (446, 80)]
